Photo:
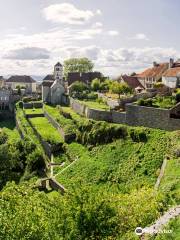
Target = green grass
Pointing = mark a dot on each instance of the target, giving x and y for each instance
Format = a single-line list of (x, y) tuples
[(46, 130), (68, 125), (9, 127), (119, 166), (96, 105), (34, 111)]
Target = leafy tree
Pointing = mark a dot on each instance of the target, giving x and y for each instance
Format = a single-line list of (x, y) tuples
[(96, 84), (120, 88), (77, 65), (78, 87)]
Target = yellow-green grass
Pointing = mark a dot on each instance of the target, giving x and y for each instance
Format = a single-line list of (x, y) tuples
[(34, 111), (46, 130), (96, 105)]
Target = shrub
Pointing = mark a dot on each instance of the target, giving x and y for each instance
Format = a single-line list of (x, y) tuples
[(3, 137), (35, 161), (63, 113), (92, 96), (177, 97), (20, 104), (100, 133), (138, 135)]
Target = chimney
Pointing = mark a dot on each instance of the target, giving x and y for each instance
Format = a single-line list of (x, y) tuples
[(155, 64), (171, 62)]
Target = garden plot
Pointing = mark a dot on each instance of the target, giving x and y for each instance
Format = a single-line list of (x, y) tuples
[(46, 131)]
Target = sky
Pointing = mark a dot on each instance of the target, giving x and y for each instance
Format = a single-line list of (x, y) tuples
[(119, 36)]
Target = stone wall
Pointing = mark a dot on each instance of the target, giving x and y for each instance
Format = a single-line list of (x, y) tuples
[(66, 137), (134, 116), (27, 105), (150, 117)]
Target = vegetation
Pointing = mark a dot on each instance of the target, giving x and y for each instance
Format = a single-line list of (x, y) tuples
[(34, 111), (120, 88), (98, 104), (46, 130), (110, 186), (158, 102), (80, 65)]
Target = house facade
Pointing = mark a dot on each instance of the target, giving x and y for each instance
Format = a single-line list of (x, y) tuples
[(171, 77), (4, 98), (26, 82), (152, 75), (53, 86)]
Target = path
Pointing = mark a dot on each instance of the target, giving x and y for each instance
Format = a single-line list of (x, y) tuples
[(163, 220)]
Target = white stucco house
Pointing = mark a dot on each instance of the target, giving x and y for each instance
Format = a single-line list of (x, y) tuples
[(53, 86), (152, 75), (171, 77), (24, 81)]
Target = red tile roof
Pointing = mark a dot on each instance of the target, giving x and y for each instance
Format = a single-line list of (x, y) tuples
[(154, 71), (172, 72), (132, 81)]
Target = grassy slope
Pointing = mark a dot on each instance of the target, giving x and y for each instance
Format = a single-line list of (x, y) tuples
[(120, 166), (46, 130)]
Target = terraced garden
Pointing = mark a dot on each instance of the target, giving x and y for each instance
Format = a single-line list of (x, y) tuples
[(46, 130)]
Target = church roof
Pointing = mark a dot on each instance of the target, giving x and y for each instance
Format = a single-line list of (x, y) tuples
[(21, 79), (49, 77), (58, 64), (47, 83)]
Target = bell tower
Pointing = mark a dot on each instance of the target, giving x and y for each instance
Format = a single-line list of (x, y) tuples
[(58, 73)]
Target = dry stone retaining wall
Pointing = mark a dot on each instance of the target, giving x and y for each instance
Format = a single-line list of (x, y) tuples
[(134, 116)]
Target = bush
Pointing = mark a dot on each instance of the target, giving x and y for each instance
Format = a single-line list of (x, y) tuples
[(138, 135), (92, 96), (177, 97), (35, 161), (3, 137), (63, 113), (20, 104), (100, 133)]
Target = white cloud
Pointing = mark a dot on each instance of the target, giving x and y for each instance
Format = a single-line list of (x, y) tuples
[(98, 12), (140, 36), (28, 53), (68, 13), (113, 33)]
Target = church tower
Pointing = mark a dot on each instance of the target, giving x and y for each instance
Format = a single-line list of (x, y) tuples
[(58, 73)]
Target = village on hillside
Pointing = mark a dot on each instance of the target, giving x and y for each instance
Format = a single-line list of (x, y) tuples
[(126, 99)]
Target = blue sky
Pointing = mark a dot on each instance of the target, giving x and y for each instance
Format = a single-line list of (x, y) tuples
[(120, 36)]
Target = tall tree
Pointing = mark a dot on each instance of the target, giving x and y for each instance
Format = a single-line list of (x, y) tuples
[(77, 65)]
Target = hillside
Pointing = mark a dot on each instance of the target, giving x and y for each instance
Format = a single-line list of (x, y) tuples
[(110, 185)]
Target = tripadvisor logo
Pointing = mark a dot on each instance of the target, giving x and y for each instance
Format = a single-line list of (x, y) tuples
[(139, 231)]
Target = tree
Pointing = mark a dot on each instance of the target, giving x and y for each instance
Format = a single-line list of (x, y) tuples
[(120, 88), (77, 65), (96, 84), (78, 87)]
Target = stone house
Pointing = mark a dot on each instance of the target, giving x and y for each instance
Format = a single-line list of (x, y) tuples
[(5, 95), (53, 86), (171, 77), (152, 75), (23, 81)]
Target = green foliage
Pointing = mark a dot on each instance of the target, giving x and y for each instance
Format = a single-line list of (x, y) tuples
[(47, 131), (3, 137), (95, 133), (83, 214), (177, 97), (20, 104), (120, 88), (138, 135), (158, 102), (77, 65), (96, 84)]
